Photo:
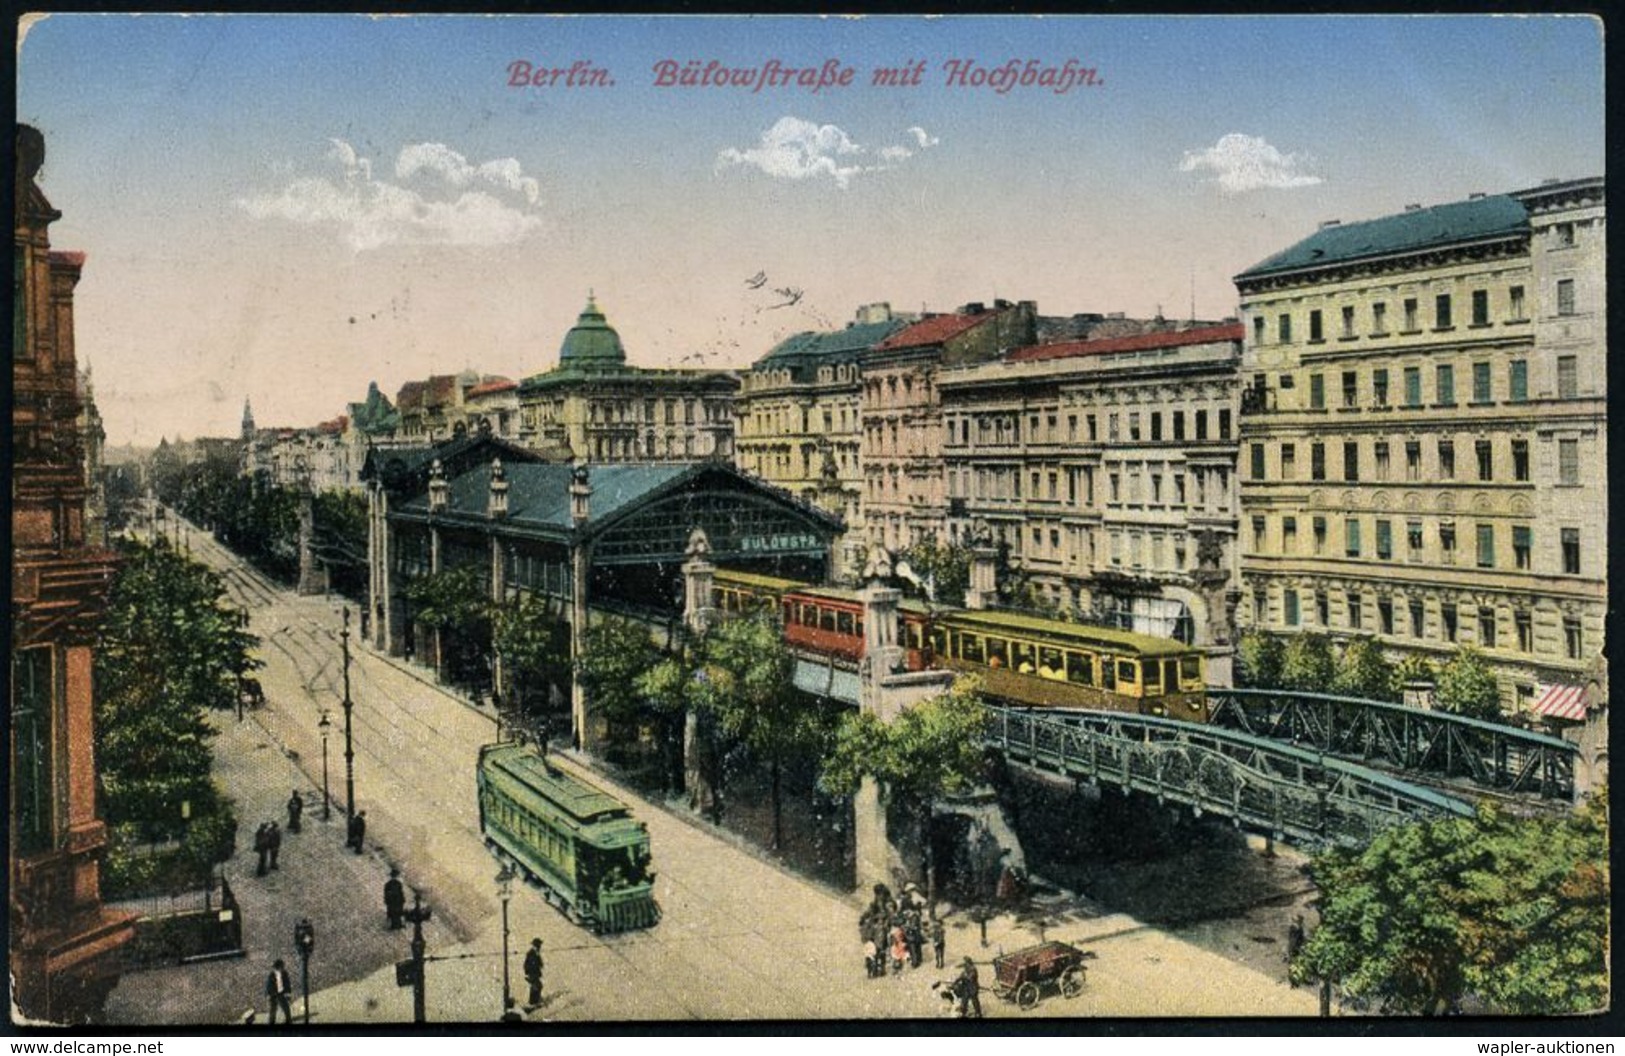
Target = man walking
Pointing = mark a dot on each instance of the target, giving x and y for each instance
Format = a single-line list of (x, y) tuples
[(969, 988), (394, 899), (939, 939), (296, 807), (277, 988), (358, 831), (533, 974), (273, 841), (262, 847)]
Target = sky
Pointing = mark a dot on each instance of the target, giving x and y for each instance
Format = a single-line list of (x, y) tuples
[(287, 208)]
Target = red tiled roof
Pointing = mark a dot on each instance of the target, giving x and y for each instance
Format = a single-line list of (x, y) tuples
[(411, 395), (442, 389), (336, 425), (1201, 335), (933, 331), (490, 385)]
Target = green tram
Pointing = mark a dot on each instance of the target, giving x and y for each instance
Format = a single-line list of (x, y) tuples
[(581, 844)]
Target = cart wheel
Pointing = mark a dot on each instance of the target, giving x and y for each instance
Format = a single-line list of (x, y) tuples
[(1026, 996), (1072, 982)]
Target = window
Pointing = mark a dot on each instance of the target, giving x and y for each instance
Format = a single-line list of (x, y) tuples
[(1289, 600), (1134, 425), (1410, 314), (1447, 543), (1385, 540), (1072, 427), (1524, 626), (1568, 461), (1486, 546), (1111, 428), (1283, 328), (1441, 312), (1289, 462), (1348, 320), (1571, 551), (1115, 482), (1179, 489), (1518, 380), (1258, 531), (1224, 423), (1413, 460), (1351, 537), (1258, 330), (1482, 453), (1379, 387), (1571, 637), (1258, 461), (1319, 528), (1317, 461), (1351, 460), (1413, 538), (1445, 377), (1563, 235), (1351, 389), (1156, 487), (1481, 383), (1317, 391), (1094, 433), (1156, 425), (1354, 607), (1515, 302), (1520, 460), (1417, 617), (1379, 319), (1323, 606), (1447, 616), (1201, 425), (1522, 545), (32, 777), (1447, 459), (1565, 296), (1314, 326), (1380, 450), (1481, 308), (1179, 425), (1413, 386), (1289, 535), (1568, 377), (1385, 615), (1486, 628)]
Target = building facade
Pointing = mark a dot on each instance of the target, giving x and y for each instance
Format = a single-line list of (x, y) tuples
[(905, 499), (64, 944), (609, 412), (799, 420), (1424, 441), (1106, 469)]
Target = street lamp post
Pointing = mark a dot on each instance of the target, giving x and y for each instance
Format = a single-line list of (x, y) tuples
[(418, 914), (304, 940), (327, 800), (349, 747), (505, 891)]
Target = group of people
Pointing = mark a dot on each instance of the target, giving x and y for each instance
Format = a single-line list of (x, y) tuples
[(895, 930), (268, 844)]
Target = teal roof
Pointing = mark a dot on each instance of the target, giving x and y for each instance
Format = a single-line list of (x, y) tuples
[(592, 344), (1473, 220), (809, 346)]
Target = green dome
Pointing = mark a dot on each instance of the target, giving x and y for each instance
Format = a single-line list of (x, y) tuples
[(592, 344)]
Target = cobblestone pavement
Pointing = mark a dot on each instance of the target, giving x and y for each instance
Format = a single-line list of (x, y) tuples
[(740, 939)]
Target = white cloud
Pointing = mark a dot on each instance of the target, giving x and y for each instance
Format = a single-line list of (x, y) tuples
[(795, 149), (370, 213), (1239, 162)]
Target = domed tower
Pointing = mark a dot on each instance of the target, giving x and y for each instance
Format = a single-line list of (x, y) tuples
[(592, 345), (248, 420)]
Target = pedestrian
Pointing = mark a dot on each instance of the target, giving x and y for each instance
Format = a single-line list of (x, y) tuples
[(899, 949), (914, 933), (394, 899), (939, 939), (296, 807), (262, 846), (358, 831), (273, 841), (869, 955), (969, 988), (277, 988), (533, 974)]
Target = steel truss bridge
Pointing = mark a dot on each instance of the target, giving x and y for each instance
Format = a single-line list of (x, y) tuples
[(1431, 745), (1295, 794)]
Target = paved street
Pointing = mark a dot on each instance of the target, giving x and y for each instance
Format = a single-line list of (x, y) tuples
[(740, 938)]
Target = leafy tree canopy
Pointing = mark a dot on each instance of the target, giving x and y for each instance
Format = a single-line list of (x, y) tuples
[(1307, 664), (1260, 656), (932, 749), (1467, 686), (616, 654), (1362, 671)]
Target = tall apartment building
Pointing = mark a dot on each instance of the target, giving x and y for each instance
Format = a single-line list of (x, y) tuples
[(799, 422), (607, 411), (905, 498), (1107, 467), (1424, 443), (65, 946)]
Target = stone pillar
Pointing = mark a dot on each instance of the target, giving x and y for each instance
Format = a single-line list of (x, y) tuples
[(581, 567), (699, 579), (497, 510), (984, 587)]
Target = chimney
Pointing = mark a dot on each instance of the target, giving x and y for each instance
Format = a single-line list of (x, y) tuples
[(438, 488), (1413, 207), (497, 508), (974, 308), (1475, 196), (1324, 224), (1000, 304), (580, 492)]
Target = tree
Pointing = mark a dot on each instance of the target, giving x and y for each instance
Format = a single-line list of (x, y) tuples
[(171, 649), (1512, 910), (1307, 664), (1467, 687), (931, 750), (1363, 671), (456, 603), (339, 538), (1412, 669), (534, 646), (944, 570), (615, 655), (1260, 656)]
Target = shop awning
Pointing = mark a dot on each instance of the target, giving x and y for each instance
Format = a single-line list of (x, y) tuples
[(1561, 701)]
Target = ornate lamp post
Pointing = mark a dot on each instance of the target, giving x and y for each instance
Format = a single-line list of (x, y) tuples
[(349, 747), (304, 940), (327, 800), (418, 914), (505, 891)]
